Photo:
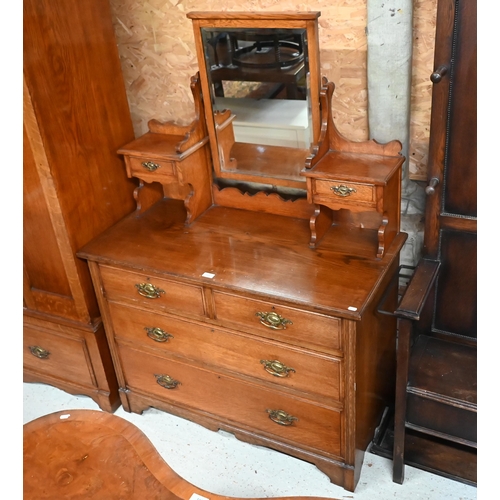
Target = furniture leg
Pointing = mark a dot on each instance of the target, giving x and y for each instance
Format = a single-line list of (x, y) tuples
[(403, 356)]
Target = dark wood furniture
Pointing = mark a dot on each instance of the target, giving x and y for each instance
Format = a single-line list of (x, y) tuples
[(229, 318), (92, 454), (435, 423), (76, 116)]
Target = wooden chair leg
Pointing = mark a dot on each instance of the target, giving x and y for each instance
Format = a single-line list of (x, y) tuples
[(403, 356)]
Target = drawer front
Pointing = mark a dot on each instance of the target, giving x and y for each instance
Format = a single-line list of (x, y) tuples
[(147, 168), (242, 355), (152, 292), (57, 355), (233, 400), (296, 327), (345, 192), (441, 417)]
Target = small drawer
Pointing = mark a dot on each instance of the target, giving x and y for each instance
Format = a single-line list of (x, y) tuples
[(57, 355), (144, 167), (342, 192), (152, 292), (281, 323), (296, 421), (243, 355)]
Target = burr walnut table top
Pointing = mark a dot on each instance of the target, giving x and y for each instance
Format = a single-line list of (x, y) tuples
[(93, 454)]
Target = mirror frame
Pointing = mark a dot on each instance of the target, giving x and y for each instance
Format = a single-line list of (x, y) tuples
[(269, 20)]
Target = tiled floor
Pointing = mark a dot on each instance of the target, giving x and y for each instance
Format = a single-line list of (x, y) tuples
[(219, 463)]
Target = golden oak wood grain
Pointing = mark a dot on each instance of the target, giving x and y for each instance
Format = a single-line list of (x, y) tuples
[(75, 186), (85, 452)]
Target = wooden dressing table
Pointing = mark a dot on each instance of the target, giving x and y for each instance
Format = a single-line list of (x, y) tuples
[(226, 316)]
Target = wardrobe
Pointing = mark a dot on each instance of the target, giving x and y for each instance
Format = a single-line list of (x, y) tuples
[(76, 115)]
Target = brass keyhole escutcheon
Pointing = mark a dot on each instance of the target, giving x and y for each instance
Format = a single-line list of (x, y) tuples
[(39, 352), (149, 291), (273, 320), (343, 190), (151, 166), (281, 417), (167, 381), (276, 368), (157, 334)]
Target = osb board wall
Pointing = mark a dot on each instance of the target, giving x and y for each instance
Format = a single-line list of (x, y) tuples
[(156, 44)]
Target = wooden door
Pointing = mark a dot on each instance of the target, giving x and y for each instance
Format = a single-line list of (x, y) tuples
[(451, 208), (76, 116)]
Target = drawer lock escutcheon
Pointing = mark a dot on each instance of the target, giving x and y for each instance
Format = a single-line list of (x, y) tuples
[(167, 381), (149, 165), (157, 334), (276, 368), (273, 320), (343, 190), (149, 291), (39, 352), (281, 417)]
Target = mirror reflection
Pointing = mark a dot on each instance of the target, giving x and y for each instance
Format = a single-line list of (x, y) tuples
[(261, 76)]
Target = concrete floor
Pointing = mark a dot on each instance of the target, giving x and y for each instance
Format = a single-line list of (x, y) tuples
[(219, 463)]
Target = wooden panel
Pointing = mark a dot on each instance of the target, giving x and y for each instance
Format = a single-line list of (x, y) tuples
[(444, 368), (460, 196), (39, 238), (456, 303), (73, 72), (307, 329), (440, 419), (317, 427), (239, 353), (172, 297)]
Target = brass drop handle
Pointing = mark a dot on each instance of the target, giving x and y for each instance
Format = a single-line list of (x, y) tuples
[(149, 291), (149, 165), (342, 190), (167, 381), (276, 368), (437, 76), (273, 320), (281, 417), (39, 352), (431, 188), (157, 334)]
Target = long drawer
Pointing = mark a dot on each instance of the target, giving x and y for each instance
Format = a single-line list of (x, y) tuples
[(57, 355), (295, 420), (152, 292), (285, 324), (253, 357)]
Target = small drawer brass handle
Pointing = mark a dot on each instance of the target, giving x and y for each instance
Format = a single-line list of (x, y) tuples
[(149, 165), (273, 320), (342, 190), (276, 368), (39, 352), (167, 381), (281, 417), (157, 334), (149, 291)]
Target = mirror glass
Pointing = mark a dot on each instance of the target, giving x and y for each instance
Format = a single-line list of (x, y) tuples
[(262, 77)]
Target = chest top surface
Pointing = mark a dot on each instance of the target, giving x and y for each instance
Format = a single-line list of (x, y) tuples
[(250, 252)]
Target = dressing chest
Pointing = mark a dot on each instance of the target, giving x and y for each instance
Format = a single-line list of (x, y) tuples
[(224, 313)]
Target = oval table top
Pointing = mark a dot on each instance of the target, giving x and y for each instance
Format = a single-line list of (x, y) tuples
[(93, 454)]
